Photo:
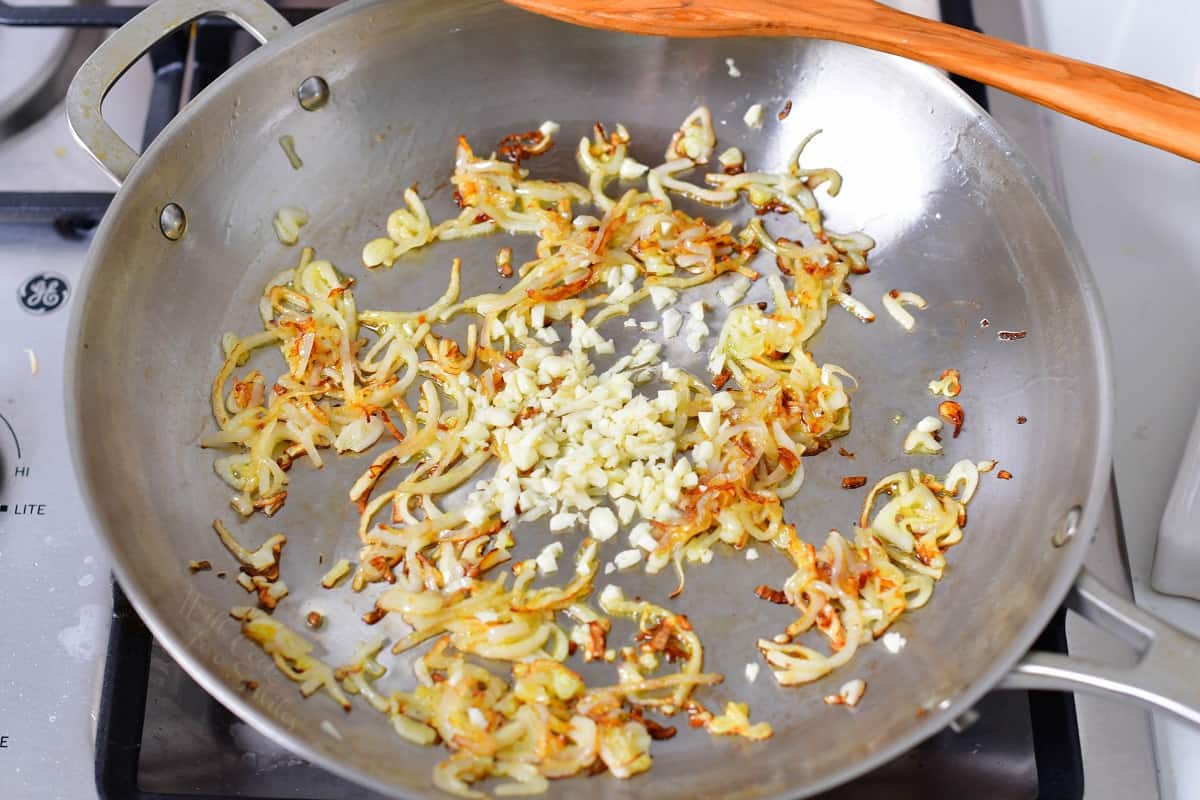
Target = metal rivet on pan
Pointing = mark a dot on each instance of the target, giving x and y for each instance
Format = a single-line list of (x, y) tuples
[(1067, 528), (172, 222), (964, 720), (313, 93)]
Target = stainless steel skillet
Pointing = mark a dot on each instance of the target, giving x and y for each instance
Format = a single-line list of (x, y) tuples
[(187, 246)]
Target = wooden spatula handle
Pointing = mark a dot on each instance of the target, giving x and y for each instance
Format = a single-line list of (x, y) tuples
[(1133, 107)]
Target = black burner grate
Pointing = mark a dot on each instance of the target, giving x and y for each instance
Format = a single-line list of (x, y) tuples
[(213, 52), (1024, 745)]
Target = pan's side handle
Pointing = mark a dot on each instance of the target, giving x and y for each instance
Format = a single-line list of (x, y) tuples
[(1166, 677), (121, 50)]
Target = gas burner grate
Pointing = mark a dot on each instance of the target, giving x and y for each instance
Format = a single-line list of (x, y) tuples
[(212, 52), (154, 719)]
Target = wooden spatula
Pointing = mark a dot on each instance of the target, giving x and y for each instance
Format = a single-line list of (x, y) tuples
[(1133, 107)]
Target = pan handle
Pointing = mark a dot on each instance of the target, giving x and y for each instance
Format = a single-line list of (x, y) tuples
[(1164, 678), (118, 53)]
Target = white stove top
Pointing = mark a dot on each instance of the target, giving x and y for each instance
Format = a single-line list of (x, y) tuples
[(42, 156), (1135, 210), (58, 597), (58, 594)]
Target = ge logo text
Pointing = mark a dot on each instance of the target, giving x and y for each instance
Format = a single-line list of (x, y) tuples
[(43, 293)]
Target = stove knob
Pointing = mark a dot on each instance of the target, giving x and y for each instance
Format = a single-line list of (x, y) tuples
[(10, 453)]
